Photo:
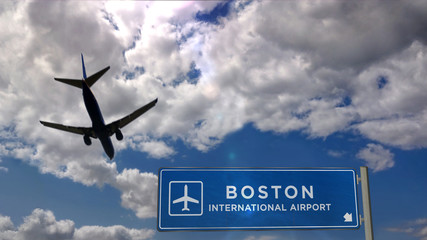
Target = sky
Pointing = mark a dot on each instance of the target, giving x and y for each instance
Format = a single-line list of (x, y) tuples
[(240, 84)]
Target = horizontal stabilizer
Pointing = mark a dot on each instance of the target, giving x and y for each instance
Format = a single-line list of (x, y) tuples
[(90, 80), (72, 82)]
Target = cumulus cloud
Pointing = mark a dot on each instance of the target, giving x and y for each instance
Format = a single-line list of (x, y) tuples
[(260, 238), (269, 64), (155, 149), (6, 224), (42, 224), (3, 169), (139, 192), (306, 84), (335, 154), (43, 47), (376, 157), (416, 228), (112, 233)]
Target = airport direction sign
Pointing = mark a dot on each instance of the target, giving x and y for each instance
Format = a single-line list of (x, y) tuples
[(257, 199)]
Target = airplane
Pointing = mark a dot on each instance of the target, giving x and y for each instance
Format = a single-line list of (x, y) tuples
[(99, 129), (185, 199)]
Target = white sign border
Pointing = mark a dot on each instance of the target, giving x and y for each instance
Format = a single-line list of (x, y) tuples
[(356, 226)]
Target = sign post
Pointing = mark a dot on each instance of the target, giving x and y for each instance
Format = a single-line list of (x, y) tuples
[(366, 199), (256, 199)]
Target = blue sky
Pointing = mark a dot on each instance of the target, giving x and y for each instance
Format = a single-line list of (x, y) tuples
[(240, 84)]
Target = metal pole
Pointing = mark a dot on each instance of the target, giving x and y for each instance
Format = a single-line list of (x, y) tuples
[(366, 199)]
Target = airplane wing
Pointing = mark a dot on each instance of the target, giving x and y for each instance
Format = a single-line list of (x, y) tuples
[(181, 199), (185, 198), (129, 118), (192, 200), (76, 130)]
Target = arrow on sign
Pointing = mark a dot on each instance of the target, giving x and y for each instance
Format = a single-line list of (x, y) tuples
[(348, 217)]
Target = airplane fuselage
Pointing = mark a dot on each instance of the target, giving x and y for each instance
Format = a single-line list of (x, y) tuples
[(98, 123)]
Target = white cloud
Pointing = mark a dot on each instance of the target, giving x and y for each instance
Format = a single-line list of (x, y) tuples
[(91, 172), (42, 224), (6, 224), (3, 169), (270, 64), (335, 154), (376, 157), (139, 192), (155, 149), (280, 86), (112, 233), (416, 228), (261, 238)]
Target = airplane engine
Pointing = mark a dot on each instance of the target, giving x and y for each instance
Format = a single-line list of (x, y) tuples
[(119, 135), (87, 140)]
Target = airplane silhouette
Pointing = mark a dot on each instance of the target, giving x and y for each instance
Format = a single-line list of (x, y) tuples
[(185, 199), (99, 129)]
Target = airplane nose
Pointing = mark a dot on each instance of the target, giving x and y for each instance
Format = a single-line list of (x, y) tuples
[(111, 154), (108, 147)]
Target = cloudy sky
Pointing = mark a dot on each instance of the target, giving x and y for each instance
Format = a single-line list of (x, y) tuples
[(240, 84)]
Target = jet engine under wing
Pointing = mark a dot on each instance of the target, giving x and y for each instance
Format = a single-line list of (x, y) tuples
[(114, 126), (76, 130), (78, 82)]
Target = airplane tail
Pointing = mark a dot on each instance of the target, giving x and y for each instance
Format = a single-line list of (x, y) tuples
[(89, 80)]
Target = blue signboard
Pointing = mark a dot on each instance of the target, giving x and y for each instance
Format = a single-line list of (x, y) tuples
[(253, 198)]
